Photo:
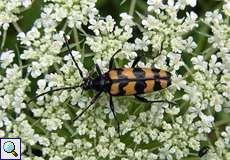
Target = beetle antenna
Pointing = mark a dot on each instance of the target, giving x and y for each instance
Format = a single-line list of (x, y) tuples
[(51, 91), (67, 44)]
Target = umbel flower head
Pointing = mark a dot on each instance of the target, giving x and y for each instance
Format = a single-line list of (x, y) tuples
[(192, 44)]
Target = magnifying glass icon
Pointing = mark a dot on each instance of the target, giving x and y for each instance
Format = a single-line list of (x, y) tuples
[(9, 147)]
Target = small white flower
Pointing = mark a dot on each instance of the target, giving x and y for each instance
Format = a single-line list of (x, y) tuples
[(127, 20), (226, 7), (179, 82), (5, 101), (192, 3), (190, 45), (52, 124), (13, 73), (152, 156), (213, 17), (10, 11), (220, 145), (38, 112), (35, 69), (142, 44), (2, 133), (41, 83), (75, 54), (226, 135), (26, 3), (194, 144), (87, 145), (33, 34), (193, 15), (206, 123), (6, 58), (96, 26), (199, 63), (110, 23), (155, 5), (102, 151)]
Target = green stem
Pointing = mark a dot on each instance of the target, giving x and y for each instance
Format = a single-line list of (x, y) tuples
[(3, 39), (209, 52), (220, 123), (68, 127), (57, 68), (17, 27), (76, 39), (190, 72), (64, 26), (36, 125), (83, 31), (216, 129), (217, 132), (132, 7), (30, 151), (18, 56), (122, 2)]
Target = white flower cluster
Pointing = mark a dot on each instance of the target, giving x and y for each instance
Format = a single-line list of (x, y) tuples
[(157, 5), (165, 31), (210, 88), (221, 147), (6, 58), (13, 86), (76, 12), (10, 10), (179, 137), (226, 7), (44, 49), (110, 38), (12, 91), (203, 93)]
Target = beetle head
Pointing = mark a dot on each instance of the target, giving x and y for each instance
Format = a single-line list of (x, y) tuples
[(87, 83)]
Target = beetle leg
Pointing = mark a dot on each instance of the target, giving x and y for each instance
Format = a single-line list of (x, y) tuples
[(136, 60), (162, 43), (161, 48), (142, 99), (93, 100), (114, 114), (112, 59), (98, 70)]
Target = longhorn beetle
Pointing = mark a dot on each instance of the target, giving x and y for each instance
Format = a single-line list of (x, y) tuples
[(120, 82)]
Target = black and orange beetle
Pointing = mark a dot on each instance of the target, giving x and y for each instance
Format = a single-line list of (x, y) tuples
[(121, 82)]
